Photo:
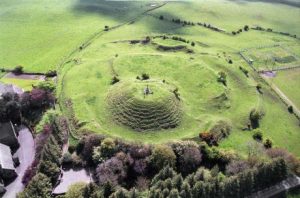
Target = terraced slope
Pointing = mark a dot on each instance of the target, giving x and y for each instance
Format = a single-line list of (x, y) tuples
[(129, 106)]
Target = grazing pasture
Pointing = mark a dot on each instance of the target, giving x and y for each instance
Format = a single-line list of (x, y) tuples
[(99, 48)]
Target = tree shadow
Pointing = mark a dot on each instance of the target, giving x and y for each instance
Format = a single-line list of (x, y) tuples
[(122, 11), (292, 3)]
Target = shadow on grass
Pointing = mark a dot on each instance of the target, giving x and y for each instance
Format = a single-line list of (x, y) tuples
[(122, 11), (293, 3)]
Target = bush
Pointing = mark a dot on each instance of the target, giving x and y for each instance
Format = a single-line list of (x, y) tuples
[(230, 61), (208, 137), (162, 156), (77, 161), (192, 44), (66, 159), (18, 70), (51, 74), (246, 27), (107, 148), (293, 163), (255, 116), (39, 186), (189, 160), (257, 135), (90, 142), (46, 85), (161, 17), (114, 80), (222, 77), (291, 109), (113, 170), (268, 143), (145, 76), (236, 166), (76, 190)]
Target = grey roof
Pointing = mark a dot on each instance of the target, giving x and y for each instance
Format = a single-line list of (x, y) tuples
[(9, 88), (6, 161), (7, 130)]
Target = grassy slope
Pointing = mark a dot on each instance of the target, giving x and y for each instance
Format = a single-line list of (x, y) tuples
[(232, 16), (38, 34), (242, 90), (288, 81)]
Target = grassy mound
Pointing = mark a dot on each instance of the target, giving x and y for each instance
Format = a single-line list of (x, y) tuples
[(130, 107)]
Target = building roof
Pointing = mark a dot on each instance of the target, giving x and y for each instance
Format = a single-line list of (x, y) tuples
[(9, 88), (6, 161), (7, 131)]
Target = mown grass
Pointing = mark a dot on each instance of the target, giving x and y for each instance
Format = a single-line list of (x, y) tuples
[(25, 84), (288, 81)]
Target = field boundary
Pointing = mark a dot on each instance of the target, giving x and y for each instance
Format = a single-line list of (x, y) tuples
[(247, 59), (273, 87)]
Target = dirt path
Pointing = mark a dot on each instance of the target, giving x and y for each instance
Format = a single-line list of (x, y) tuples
[(26, 156), (285, 99)]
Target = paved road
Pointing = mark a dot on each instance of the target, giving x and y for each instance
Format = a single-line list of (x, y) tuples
[(26, 156)]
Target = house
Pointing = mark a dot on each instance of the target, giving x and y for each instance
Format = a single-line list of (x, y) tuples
[(7, 168), (8, 88), (8, 136)]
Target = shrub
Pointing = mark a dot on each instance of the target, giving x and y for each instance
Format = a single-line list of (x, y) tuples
[(161, 17), (222, 77), (39, 186), (293, 163), (192, 44), (76, 190), (230, 61), (51, 73), (236, 166), (18, 70), (268, 143), (208, 137), (72, 148), (46, 85), (257, 135), (162, 155), (77, 161), (145, 76), (66, 159), (50, 169), (255, 116), (233, 33), (90, 142), (114, 80), (221, 130), (107, 148), (189, 160), (291, 109), (113, 170), (246, 27)]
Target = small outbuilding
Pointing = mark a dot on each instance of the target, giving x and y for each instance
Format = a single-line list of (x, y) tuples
[(9, 88), (7, 168), (8, 136)]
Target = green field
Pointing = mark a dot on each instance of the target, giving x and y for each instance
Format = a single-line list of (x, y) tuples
[(289, 81), (44, 35), (273, 57)]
